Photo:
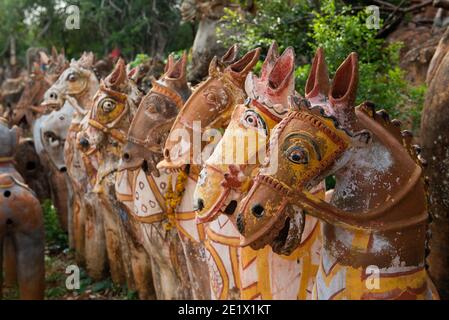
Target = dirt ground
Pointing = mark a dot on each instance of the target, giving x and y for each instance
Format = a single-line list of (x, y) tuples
[(57, 258), (55, 278)]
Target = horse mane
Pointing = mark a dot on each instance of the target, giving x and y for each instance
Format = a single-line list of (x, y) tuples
[(393, 127)]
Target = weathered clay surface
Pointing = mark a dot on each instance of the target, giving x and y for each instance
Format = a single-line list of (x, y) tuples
[(21, 223), (435, 145)]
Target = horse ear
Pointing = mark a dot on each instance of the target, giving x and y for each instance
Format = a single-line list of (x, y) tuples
[(270, 60), (54, 53), (178, 69), (213, 66), (87, 60), (281, 80), (170, 62), (251, 85), (240, 69), (231, 55), (317, 85), (43, 58), (117, 76), (343, 92)]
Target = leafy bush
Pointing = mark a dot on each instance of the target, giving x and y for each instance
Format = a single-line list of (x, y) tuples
[(139, 59), (286, 21), (55, 236), (339, 30)]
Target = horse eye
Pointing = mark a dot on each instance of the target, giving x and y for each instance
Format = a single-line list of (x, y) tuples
[(251, 120), (210, 97), (151, 108), (72, 77), (297, 155), (108, 105)]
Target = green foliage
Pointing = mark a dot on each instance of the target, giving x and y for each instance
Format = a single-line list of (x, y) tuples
[(152, 27), (140, 59), (286, 21), (339, 30), (382, 81), (55, 236)]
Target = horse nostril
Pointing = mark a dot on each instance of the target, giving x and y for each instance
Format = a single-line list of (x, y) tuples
[(31, 166), (84, 143), (166, 153), (230, 208), (257, 210), (126, 156), (7, 194), (199, 205), (53, 95), (63, 169), (240, 223)]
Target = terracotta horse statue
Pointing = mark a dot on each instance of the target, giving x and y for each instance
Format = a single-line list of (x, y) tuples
[(141, 187), (32, 156), (113, 109), (44, 74), (435, 149), (210, 106), (375, 226), (77, 86), (225, 179), (21, 222)]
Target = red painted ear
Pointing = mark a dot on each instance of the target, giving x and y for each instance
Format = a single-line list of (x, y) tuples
[(117, 76), (178, 69), (240, 69), (344, 86), (270, 60), (317, 85), (231, 55), (281, 80)]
